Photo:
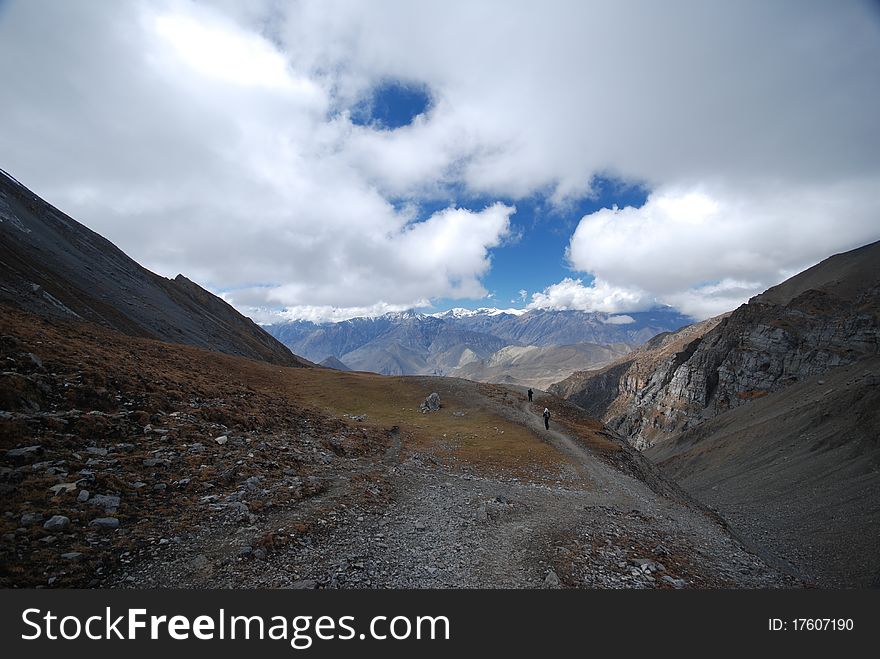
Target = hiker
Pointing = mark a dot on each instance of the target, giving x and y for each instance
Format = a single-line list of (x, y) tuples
[(546, 419), (530, 395)]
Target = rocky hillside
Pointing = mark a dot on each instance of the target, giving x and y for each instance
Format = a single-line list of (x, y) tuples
[(129, 462), (796, 471), (412, 343), (54, 266), (821, 319)]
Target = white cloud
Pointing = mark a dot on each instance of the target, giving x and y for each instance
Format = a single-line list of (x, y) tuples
[(325, 313), (705, 251), (598, 296), (619, 320), (213, 138)]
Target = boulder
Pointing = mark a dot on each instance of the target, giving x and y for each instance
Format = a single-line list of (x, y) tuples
[(63, 488), (106, 501), (24, 453), (29, 519), (57, 523), (431, 403)]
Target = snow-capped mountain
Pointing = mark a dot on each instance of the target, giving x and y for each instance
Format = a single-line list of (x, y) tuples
[(459, 312), (409, 343)]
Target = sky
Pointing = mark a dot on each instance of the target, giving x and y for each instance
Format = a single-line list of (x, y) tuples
[(324, 159)]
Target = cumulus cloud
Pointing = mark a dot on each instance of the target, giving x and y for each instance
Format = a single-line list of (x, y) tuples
[(707, 250), (329, 314), (215, 138), (599, 295)]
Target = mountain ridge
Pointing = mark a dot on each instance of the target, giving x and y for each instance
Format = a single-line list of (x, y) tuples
[(411, 343), (760, 347), (52, 265)]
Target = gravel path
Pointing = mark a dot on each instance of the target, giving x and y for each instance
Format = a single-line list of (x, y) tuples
[(415, 524)]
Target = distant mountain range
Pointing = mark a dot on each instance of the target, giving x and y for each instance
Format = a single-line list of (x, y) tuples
[(53, 266), (477, 343)]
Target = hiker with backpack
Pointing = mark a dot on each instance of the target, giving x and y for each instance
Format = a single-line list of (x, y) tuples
[(546, 419)]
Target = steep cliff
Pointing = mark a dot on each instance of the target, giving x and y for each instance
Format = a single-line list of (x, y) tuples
[(821, 319)]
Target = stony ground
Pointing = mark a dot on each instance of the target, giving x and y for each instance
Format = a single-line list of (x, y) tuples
[(132, 463)]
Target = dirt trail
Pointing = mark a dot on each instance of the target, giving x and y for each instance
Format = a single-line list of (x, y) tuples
[(593, 470), (436, 526)]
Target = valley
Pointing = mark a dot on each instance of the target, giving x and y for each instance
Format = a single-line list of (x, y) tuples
[(222, 471), (153, 436)]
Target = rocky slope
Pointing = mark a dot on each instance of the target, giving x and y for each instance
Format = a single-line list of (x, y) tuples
[(796, 471), (822, 319), (54, 266), (128, 462)]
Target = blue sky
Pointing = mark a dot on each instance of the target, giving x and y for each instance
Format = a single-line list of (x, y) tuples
[(534, 256), (325, 159)]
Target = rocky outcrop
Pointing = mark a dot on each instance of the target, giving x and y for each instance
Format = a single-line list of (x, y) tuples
[(763, 346), (430, 404)]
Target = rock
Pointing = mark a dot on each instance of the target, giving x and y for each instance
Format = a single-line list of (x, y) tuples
[(29, 519), (238, 509), (96, 450), (644, 563), (83, 496), (36, 361), (304, 584), (260, 554), (675, 583), (24, 453), (106, 501), (222, 439), (154, 462), (482, 514), (71, 555), (57, 523), (105, 522), (551, 580), (63, 488), (431, 403), (420, 526)]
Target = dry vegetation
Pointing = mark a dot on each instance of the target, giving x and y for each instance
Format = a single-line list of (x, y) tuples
[(100, 404)]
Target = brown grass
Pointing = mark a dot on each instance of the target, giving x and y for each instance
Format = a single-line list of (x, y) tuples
[(469, 429)]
